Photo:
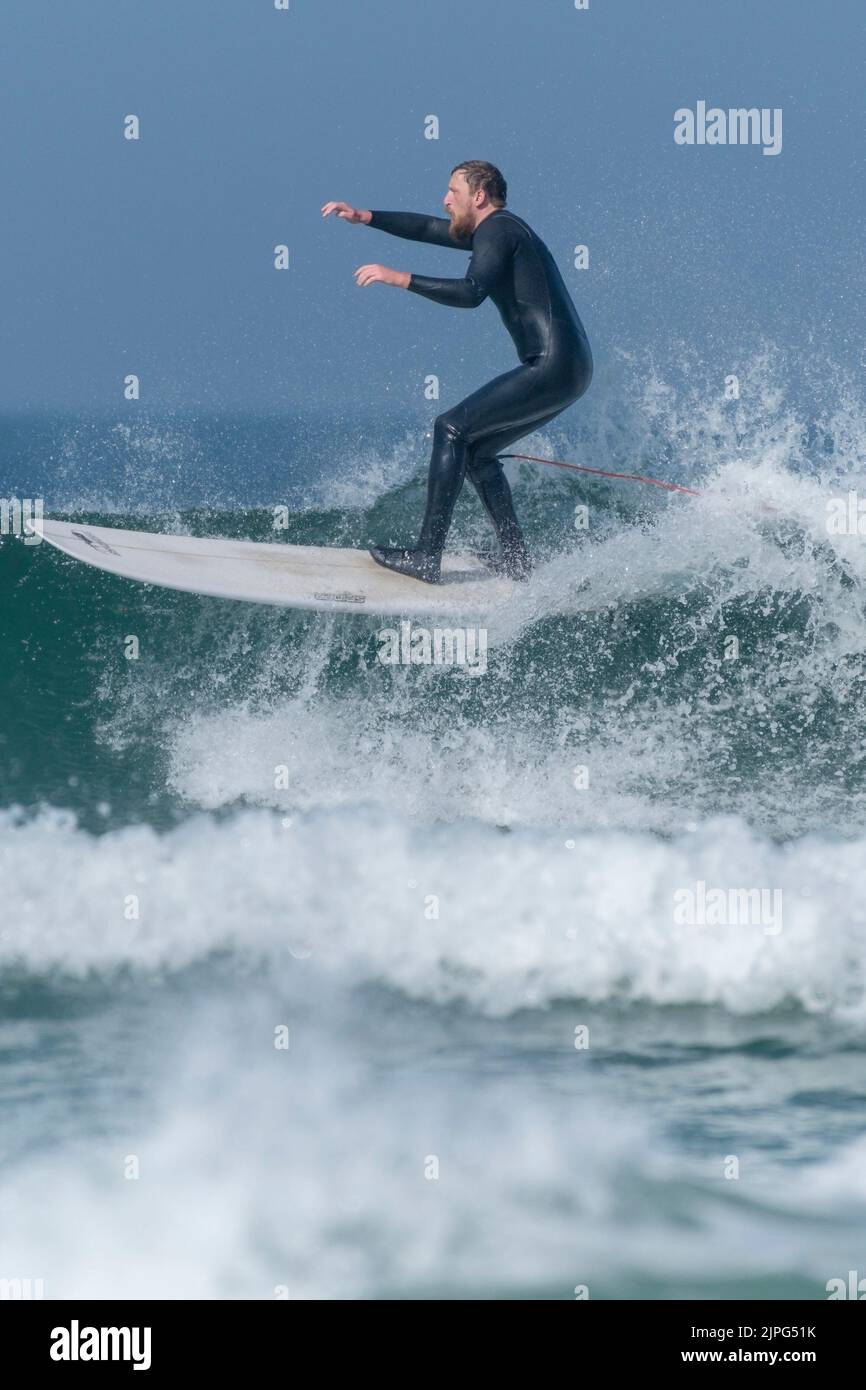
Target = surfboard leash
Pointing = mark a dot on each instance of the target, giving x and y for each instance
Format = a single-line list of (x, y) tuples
[(602, 473)]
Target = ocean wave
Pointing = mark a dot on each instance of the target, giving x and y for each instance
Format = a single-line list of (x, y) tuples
[(495, 920)]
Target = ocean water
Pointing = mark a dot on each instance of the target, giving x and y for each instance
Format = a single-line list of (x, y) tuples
[(510, 1069)]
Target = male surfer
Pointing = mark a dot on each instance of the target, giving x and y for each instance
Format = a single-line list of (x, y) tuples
[(514, 267)]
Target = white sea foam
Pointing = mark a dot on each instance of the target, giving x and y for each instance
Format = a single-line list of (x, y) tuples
[(523, 918), (311, 1172)]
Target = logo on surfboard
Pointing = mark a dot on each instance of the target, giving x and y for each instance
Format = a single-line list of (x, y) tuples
[(95, 543), (341, 598)]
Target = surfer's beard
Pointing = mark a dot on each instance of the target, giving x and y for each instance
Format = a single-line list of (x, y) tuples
[(461, 226)]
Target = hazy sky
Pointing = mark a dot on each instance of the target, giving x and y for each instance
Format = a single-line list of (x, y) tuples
[(156, 256)]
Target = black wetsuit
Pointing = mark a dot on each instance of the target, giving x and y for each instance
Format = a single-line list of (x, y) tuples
[(514, 267)]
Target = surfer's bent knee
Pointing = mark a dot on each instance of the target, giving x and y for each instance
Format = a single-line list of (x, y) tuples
[(449, 423)]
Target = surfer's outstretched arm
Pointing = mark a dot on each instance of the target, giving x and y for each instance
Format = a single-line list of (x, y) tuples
[(414, 226), (417, 226), (492, 248)]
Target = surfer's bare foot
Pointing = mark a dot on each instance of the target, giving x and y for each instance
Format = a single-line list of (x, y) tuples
[(418, 564)]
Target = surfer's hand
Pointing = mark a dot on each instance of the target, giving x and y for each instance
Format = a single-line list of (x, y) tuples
[(346, 212), (372, 274)]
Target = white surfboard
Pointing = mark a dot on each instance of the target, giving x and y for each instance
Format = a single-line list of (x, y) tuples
[(326, 578)]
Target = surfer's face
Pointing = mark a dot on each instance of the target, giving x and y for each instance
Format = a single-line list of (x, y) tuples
[(460, 206)]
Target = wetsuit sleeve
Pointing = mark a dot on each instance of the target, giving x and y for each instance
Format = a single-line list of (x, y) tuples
[(416, 226), (492, 251)]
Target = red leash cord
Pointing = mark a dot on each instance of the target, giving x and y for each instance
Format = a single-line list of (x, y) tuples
[(602, 473)]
